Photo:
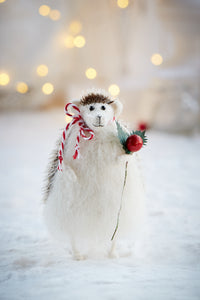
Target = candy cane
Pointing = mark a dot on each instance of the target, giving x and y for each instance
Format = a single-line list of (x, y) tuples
[(76, 118)]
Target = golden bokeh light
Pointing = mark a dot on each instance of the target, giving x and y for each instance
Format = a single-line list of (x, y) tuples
[(44, 10), (91, 73), (75, 27), (22, 87), (42, 70), (4, 78), (114, 89), (1, 1), (69, 41), (156, 59), (68, 119), (122, 3), (48, 88), (54, 15), (79, 41)]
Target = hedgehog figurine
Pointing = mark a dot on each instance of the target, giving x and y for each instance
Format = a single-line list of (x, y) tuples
[(93, 197)]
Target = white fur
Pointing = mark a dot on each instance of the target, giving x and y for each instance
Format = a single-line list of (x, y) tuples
[(84, 201)]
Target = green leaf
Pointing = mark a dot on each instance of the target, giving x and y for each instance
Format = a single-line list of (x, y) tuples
[(123, 135)]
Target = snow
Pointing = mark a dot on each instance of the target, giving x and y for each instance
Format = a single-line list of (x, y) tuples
[(166, 264)]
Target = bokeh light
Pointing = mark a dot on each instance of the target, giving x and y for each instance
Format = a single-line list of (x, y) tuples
[(156, 59), (54, 15), (122, 3), (44, 10), (69, 41), (114, 89), (42, 70), (68, 119), (75, 27), (48, 88), (79, 41), (91, 73), (1, 1), (4, 79), (22, 87)]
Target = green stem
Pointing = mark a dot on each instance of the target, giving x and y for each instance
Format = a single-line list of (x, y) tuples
[(120, 208)]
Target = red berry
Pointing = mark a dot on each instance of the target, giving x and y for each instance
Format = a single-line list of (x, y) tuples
[(134, 143), (142, 126)]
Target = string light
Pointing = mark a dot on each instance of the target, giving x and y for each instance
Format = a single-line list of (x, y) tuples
[(42, 70), (54, 14), (44, 10), (79, 41), (90, 73), (156, 59), (4, 79), (122, 3), (48, 88), (1, 1), (69, 41), (75, 27), (114, 89), (22, 87)]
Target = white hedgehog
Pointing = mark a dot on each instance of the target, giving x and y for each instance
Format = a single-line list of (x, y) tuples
[(91, 203)]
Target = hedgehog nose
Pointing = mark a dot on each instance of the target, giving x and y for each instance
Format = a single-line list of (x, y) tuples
[(99, 119)]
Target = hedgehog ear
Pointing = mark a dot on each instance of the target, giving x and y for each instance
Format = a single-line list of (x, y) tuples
[(117, 107), (76, 102)]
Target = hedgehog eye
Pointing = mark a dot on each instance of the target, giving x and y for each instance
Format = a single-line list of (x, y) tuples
[(91, 108), (103, 107)]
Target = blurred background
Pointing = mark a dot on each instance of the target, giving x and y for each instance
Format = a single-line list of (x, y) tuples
[(146, 52)]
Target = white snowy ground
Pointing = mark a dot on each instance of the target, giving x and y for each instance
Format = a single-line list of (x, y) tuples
[(33, 267)]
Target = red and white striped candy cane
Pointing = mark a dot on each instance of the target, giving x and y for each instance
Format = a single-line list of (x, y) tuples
[(76, 118)]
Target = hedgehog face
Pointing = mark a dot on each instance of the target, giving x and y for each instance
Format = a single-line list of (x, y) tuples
[(98, 109), (97, 115)]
